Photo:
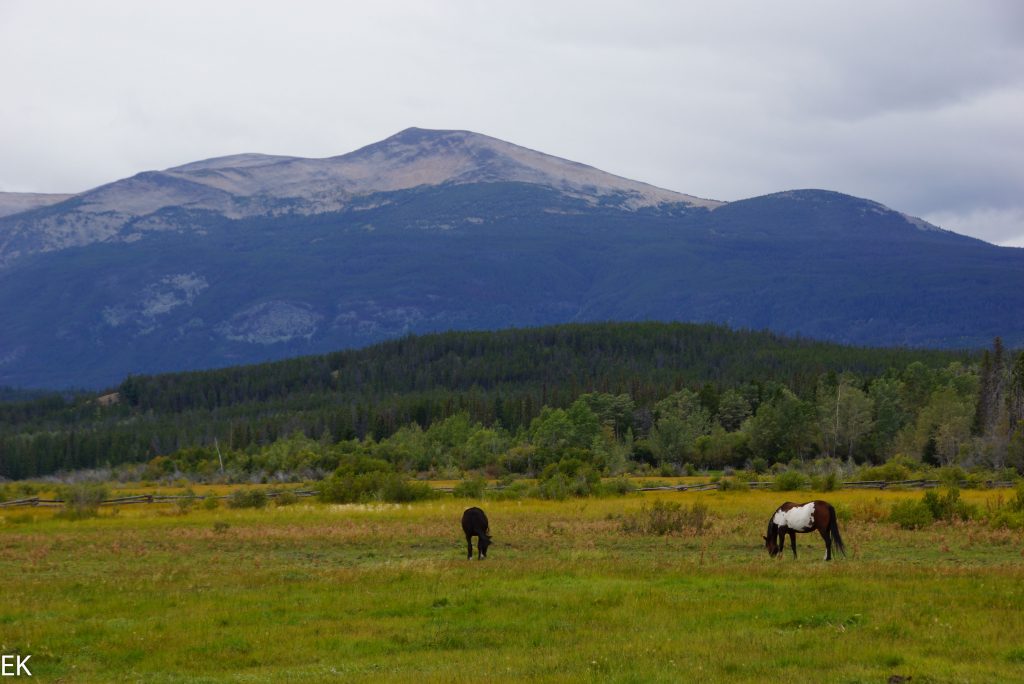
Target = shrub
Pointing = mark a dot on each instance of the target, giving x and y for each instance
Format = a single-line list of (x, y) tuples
[(211, 502), (470, 489), (513, 491), (895, 469), (556, 487), (843, 513), (790, 480), (286, 498), (373, 486), (1006, 520), (951, 476), (825, 483), (568, 477), (617, 486), (727, 484), (948, 506), (82, 500), (667, 517), (247, 498), (911, 515), (1017, 502)]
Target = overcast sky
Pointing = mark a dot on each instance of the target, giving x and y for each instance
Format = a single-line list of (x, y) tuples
[(916, 104)]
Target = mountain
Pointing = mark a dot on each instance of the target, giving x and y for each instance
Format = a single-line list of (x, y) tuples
[(253, 185), (17, 202), (252, 257)]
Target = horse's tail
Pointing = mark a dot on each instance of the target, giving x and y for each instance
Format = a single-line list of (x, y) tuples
[(833, 529)]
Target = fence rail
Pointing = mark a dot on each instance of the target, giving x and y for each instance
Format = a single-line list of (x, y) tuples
[(699, 487), (861, 484)]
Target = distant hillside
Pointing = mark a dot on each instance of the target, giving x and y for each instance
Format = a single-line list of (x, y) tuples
[(500, 377), (252, 258)]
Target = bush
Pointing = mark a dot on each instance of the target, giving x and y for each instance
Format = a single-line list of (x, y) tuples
[(911, 515), (568, 477), (373, 486), (825, 483), (1006, 520), (82, 500), (286, 498), (667, 517), (211, 503), (470, 489), (513, 491), (951, 476), (895, 469), (247, 498), (731, 484), (557, 487), (1017, 502), (948, 506), (617, 486), (790, 480)]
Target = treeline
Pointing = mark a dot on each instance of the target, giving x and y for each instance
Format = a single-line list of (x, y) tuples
[(912, 418), (506, 381)]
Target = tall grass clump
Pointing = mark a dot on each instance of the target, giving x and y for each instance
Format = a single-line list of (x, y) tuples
[(826, 483), (896, 469), (373, 486), (514, 491), (911, 514), (286, 498), (1011, 515), (248, 498), (568, 477), (668, 517), (471, 488), (948, 506), (82, 500), (790, 480)]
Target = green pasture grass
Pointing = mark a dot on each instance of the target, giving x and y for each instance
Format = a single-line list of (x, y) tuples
[(318, 592)]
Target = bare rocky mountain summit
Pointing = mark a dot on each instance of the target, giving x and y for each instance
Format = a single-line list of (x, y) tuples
[(17, 202), (248, 185)]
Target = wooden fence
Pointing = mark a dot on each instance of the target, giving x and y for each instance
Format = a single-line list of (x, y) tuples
[(699, 487)]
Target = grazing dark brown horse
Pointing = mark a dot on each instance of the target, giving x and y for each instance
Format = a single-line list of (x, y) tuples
[(790, 518), (474, 524)]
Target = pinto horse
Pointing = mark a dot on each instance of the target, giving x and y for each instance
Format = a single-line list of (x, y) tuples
[(790, 518)]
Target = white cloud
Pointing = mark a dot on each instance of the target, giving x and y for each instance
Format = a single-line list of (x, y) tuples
[(999, 226)]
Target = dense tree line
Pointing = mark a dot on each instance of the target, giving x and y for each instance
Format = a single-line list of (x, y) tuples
[(662, 393)]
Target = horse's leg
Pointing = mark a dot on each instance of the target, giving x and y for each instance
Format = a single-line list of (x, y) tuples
[(469, 547), (792, 541), (828, 543)]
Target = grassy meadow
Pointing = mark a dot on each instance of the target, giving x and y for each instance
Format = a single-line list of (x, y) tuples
[(318, 592)]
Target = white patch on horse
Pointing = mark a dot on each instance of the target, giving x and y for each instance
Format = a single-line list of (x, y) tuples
[(798, 519)]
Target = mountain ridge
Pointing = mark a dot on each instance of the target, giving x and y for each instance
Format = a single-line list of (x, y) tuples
[(251, 184), (96, 287)]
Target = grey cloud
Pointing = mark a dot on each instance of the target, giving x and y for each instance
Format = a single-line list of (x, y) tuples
[(915, 104)]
